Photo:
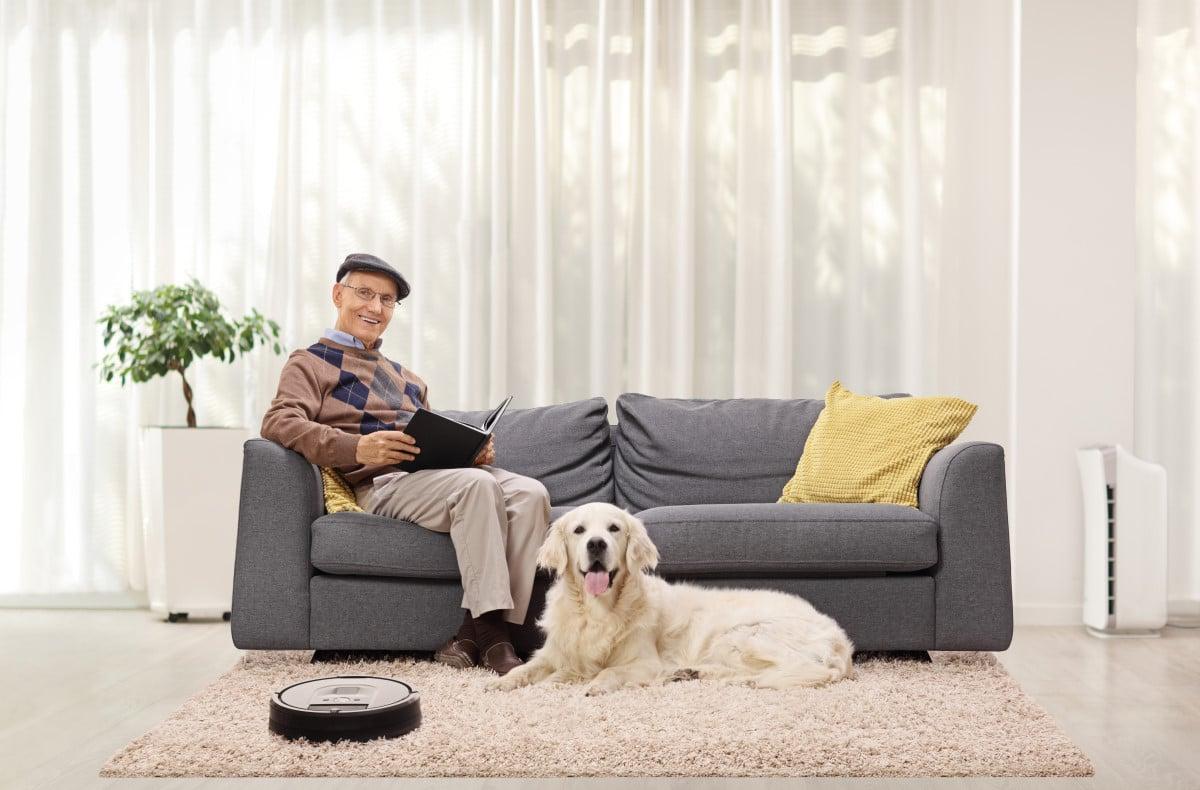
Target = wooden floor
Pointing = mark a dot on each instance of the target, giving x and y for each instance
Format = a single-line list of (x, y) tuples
[(81, 684)]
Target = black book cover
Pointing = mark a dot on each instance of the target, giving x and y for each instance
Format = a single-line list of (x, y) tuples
[(447, 443)]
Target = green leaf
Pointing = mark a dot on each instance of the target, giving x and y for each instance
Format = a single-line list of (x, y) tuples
[(169, 327)]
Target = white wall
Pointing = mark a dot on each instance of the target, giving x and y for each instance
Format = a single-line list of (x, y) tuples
[(1074, 363)]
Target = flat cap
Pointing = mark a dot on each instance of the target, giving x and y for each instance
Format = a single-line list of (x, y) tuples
[(363, 261)]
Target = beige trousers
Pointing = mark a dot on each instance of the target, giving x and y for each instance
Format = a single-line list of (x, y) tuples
[(497, 521)]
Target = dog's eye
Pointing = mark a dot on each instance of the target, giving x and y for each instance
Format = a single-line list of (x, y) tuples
[(579, 530), (613, 528)]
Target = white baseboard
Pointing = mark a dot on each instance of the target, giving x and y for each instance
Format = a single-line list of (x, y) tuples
[(1048, 614), (1183, 612), (1183, 607), (1023, 614), (1066, 614), (131, 599)]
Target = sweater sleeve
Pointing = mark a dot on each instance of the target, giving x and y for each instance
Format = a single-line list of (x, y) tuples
[(422, 387), (291, 419)]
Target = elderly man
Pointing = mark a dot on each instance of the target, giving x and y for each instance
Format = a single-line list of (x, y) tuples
[(342, 403)]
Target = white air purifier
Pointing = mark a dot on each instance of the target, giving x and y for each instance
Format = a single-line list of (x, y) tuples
[(1124, 543)]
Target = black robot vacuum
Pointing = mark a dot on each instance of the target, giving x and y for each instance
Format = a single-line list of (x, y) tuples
[(352, 708)]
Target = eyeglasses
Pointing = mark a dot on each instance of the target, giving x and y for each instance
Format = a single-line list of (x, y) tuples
[(388, 301)]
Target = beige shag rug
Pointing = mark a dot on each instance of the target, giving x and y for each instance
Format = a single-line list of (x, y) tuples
[(961, 715)]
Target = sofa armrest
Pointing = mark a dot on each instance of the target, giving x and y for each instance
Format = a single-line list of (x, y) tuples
[(963, 489), (281, 497)]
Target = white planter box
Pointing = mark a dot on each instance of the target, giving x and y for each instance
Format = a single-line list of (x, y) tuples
[(191, 482)]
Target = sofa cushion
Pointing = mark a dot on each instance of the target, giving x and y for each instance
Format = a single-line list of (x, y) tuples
[(693, 540), (867, 449), (363, 544), (787, 540), (690, 452), (565, 446)]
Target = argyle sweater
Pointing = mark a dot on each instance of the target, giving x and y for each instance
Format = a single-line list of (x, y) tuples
[(330, 394)]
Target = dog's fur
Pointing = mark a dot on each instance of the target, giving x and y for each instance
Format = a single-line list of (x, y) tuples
[(644, 630)]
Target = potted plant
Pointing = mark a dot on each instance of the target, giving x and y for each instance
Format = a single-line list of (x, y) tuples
[(190, 476)]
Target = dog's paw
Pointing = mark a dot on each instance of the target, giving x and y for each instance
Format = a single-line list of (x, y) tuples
[(683, 673), (596, 689), (500, 684)]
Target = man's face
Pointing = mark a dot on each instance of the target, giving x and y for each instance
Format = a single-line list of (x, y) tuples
[(365, 319)]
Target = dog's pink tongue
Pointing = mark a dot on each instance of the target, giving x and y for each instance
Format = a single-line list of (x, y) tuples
[(596, 582)]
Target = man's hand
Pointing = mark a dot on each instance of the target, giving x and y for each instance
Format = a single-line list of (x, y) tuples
[(386, 447), (487, 453)]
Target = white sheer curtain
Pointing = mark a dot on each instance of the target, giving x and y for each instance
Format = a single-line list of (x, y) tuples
[(1168, 309), (706, 199)]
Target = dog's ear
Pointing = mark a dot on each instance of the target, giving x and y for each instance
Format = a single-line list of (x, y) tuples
[(640, 551), (553, 553)]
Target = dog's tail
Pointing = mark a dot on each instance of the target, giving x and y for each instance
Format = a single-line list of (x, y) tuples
[(771, 662), (843, 656), (800, 673)]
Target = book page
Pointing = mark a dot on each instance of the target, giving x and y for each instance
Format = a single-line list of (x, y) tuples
[(496, 414)]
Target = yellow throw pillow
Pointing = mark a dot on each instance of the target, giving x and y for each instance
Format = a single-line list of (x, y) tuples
[(868, 449), (339, 496)]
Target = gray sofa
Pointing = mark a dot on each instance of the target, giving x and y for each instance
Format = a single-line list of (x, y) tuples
[(702, 474)]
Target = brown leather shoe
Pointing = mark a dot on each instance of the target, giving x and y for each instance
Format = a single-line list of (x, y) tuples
[(501, 658), (458, 653)]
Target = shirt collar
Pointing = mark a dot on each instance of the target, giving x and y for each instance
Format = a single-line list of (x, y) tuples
[(347, 339)]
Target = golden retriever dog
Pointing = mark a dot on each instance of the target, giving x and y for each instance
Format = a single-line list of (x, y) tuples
[(610, 625)]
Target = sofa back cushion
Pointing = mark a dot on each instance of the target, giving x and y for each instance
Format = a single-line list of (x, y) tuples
[(566, 446), (674, 451)]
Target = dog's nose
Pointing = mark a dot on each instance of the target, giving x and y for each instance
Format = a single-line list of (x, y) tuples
[(597, 546)]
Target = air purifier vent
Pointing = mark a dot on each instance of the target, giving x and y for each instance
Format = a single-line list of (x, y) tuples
[(1112, 552)]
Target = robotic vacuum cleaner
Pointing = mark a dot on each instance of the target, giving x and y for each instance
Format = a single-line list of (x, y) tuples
[(353, 707)]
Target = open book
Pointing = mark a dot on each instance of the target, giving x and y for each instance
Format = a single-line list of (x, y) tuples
[(447, 443)]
